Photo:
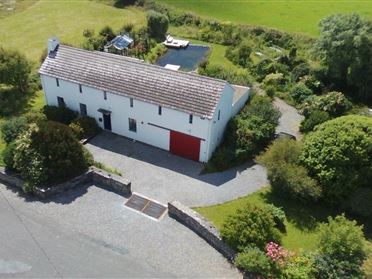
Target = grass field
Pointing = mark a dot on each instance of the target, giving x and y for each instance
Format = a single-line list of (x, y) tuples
[(292, 16), (301, 225), (28, 30)]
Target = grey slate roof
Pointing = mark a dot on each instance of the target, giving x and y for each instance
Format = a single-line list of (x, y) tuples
[(134, 78)]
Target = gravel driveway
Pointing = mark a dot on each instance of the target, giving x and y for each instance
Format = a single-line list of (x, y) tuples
[(89, 233), (164, 177), (290, 120)]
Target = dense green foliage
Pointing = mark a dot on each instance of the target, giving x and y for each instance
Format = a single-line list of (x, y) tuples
[(314, 118), (157, 24), (11, 128), (84, 127), (360, 202), (345, 45), (253, 260), (62, 115), (246, 134), (241, 54), (341, 249), (339, 156), (250, 226), (286, 176), (300, 92), (48, 153)]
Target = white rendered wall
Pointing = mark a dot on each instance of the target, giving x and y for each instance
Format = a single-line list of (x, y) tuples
[(143, 112), (218, 126)]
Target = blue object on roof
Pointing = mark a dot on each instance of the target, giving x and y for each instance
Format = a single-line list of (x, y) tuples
[(121, 42)]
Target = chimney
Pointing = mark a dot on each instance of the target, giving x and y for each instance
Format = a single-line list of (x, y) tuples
[(53, 43)]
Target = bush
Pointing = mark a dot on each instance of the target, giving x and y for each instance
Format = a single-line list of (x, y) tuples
[(316, 117), (62, 115), (84, 127), (48, 153), (270, 91), (293, 181), (276, 80), (240, 54), (342, 241), (339, 155), (300, 71), (250, 225), (8, 155), (300, 93), (334, 103), (12, 128), (361, 202), (278, 215), (239, 77), (299, 267), (157, 24), (253, 260), (331, 268)]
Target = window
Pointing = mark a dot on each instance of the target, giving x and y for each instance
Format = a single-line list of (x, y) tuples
[(57, 82), (219, 115), (83, 110), (132, 125), (104, 95), (190, 118), (61, 102), (80, 89), (131, 102), (159, 110)]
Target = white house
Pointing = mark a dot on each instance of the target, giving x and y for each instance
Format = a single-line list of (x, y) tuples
[(181, 112)]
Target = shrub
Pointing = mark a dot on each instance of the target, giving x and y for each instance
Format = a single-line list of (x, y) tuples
[(63, 115), (276, 253), (8, 155), (299, 71), (48, 153), (334, 103), (253, 260), (360, 202), (299, 267), (157, 24), (270, 91), (276, 80), (250, 225), (341, 246), (300, 93), (239, 77), (339, 155), (281, 151), (278, 215), (12, 128), (240, 54), (293, 181), (316, 117), (84, 127)]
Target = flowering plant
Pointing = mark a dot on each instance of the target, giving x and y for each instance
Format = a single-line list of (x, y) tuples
[(277, 253)]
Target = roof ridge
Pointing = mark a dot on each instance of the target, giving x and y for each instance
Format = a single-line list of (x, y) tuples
[(139, 61)]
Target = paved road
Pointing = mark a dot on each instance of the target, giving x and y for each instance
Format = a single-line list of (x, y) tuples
[(290, 120), (89, 233), (162, 176)]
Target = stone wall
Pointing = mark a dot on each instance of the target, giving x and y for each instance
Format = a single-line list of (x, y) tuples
[(197, 223), (92, 175)]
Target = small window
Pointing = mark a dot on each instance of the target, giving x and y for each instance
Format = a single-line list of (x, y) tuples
[(159, 110), (132, 125), (190, 118), (61, 102), (131, 102), (57, 82), (80, 89), (83, 110), (104, 95), (219, 115)]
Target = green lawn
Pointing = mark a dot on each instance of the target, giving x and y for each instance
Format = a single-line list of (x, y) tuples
[(28, 30), (293, 16), (301, 225)]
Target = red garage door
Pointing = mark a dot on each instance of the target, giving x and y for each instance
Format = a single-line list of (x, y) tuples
[(184, 145)]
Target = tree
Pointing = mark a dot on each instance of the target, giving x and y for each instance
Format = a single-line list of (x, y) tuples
[(300, 93), (12, 128), (341, 244), (250, 226), (48, 153), (157, 24), (345, 46), (339, 155), (316, 117)]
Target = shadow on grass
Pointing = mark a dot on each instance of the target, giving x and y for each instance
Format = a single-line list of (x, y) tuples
[(305, 217)]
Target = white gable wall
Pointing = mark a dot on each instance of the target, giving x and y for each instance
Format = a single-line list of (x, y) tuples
[(144, 113)]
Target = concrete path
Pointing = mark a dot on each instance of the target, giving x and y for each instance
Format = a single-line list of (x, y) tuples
[(89, 233), (163, 176), (290, 120)]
